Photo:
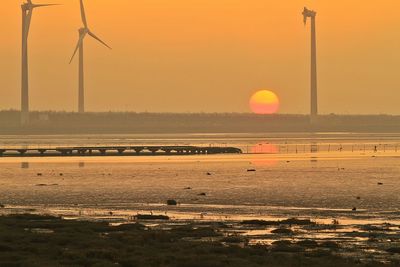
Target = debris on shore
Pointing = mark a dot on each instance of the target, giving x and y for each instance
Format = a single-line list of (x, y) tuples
[(151, 217), (172, 202)]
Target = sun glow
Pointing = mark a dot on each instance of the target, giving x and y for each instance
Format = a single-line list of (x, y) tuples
[(264, 102)]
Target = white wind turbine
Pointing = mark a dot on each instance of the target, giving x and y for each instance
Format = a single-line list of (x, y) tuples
[(82, 34), (27, 11), (314, 94)]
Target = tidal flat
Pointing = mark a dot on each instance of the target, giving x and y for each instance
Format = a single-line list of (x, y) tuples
[(38, 240), (287, 201)]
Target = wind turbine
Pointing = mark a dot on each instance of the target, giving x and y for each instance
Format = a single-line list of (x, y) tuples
[(27, 11), (82, 34), (314, 93)]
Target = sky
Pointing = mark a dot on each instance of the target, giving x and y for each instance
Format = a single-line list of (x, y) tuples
[(206, 55)]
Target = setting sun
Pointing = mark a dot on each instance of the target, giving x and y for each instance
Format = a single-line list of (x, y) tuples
[(264, 102)]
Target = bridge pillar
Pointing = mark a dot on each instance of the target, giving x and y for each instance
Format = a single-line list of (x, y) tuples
[(22, 151), (82, 151), (138, 150), (153, 151), (103, 151)]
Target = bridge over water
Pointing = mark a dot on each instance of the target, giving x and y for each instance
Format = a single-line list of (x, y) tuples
[(115, 150)]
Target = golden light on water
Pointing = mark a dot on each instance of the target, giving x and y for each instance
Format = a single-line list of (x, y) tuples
[(264, 102)]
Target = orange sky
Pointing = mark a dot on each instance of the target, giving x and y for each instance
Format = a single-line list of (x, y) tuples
[(206, 55)]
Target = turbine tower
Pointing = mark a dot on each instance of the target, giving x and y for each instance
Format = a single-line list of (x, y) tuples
[(27, 10), (314, 93), (82, 34)]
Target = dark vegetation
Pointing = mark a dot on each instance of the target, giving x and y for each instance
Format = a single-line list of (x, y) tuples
[(29, 240), (129, 122)]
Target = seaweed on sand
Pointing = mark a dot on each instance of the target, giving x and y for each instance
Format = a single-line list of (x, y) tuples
[(283, 231), (291, 221), (80, 243), (151, 217)]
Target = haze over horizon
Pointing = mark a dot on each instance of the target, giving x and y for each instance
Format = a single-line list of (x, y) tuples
[(206, 56)]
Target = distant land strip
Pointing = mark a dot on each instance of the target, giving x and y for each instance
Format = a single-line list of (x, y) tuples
[(173, 123)]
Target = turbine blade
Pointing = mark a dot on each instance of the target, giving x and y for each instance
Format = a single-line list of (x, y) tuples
[(98, 39), (77, 47), (83, 14), (43, 5)]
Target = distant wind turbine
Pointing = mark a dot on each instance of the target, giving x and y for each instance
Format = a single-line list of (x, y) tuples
[(314, 93), (82, 34), (27, 11)]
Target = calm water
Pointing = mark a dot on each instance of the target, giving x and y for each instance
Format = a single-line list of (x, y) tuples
[(320, 176)]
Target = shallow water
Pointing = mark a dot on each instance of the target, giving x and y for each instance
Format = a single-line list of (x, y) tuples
[(318, 175)]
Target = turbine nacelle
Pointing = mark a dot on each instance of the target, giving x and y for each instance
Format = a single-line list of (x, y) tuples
[(26, 6), (83, 31), (307, 13)]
